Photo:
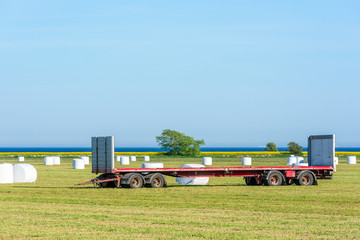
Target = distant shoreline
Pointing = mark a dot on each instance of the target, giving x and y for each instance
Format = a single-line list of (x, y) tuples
[(152, 149)]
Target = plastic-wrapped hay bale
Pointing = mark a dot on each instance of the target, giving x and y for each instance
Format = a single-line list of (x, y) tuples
[(56, 160), (78, 164), (118, 158), (146, 158), (351, 159), (291, 161), (152, 165), (48, 161), (6, 173), (300, 160), (301, 164), (336, 160), (207, 160), (192, 180), (133, 158), (246, 161), (24, 173), (21, 159), (125, 160), (86, 160)]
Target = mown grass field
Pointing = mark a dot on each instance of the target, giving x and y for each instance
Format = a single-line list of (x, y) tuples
[(53, 208)]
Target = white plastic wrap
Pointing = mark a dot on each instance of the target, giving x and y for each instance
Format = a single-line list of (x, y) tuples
[(125, 160), (207, 160), (56, 160), (48, 161), (86, 160), (246, 161), (192, 180), (24, 173), (78, 164), (351, 159), (6, 173)]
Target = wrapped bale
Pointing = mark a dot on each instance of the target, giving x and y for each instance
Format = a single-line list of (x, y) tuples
[(125, 160), (207, 160), (24, 173), (246, 161), (291, 160), (86, 160), (146, 158), (192, 180), (118, 158), (300, 160), (6, 173), (336, 160), (48, 161), (152, 165), (133, 158), (56, 160), (351, 159), (78, 164), (21, 159)]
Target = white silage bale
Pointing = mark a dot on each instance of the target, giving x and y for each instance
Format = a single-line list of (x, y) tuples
[(86, 160), (351, 159), (192, 180), (118, 158), (133, 158), (24, 173), (6, 173), (48, 161), (78, 164), (291, 161), (56, 160), (21, 159), (207, 160), (146, 158), (336, 160), (246, 161), (301, 164), (300, 160), (152, 165), (125, 160)]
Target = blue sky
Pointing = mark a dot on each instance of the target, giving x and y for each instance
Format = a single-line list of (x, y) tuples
[(234, 73)]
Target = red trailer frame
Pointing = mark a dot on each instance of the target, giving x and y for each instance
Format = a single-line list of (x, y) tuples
[(272, 176)]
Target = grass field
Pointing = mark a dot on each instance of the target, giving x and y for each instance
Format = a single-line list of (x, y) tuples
[(224, 209)]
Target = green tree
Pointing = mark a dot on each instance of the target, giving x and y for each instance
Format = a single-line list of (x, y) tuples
[(271, 147), (176, 143), (293, 147)]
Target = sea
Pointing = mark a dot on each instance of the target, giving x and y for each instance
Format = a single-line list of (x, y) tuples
[(154, 149)]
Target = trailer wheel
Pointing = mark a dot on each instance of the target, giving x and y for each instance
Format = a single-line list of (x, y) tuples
[(275, 178), (157, 180), (135, 180), (305, 179)]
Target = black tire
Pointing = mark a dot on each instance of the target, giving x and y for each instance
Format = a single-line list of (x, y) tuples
[(157, 180), (305, 179), (274, 179), (250, 181), (106, 184), (135, 181)]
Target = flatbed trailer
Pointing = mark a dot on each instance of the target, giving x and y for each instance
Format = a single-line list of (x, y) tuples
[(270, 176), (321, 151)]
